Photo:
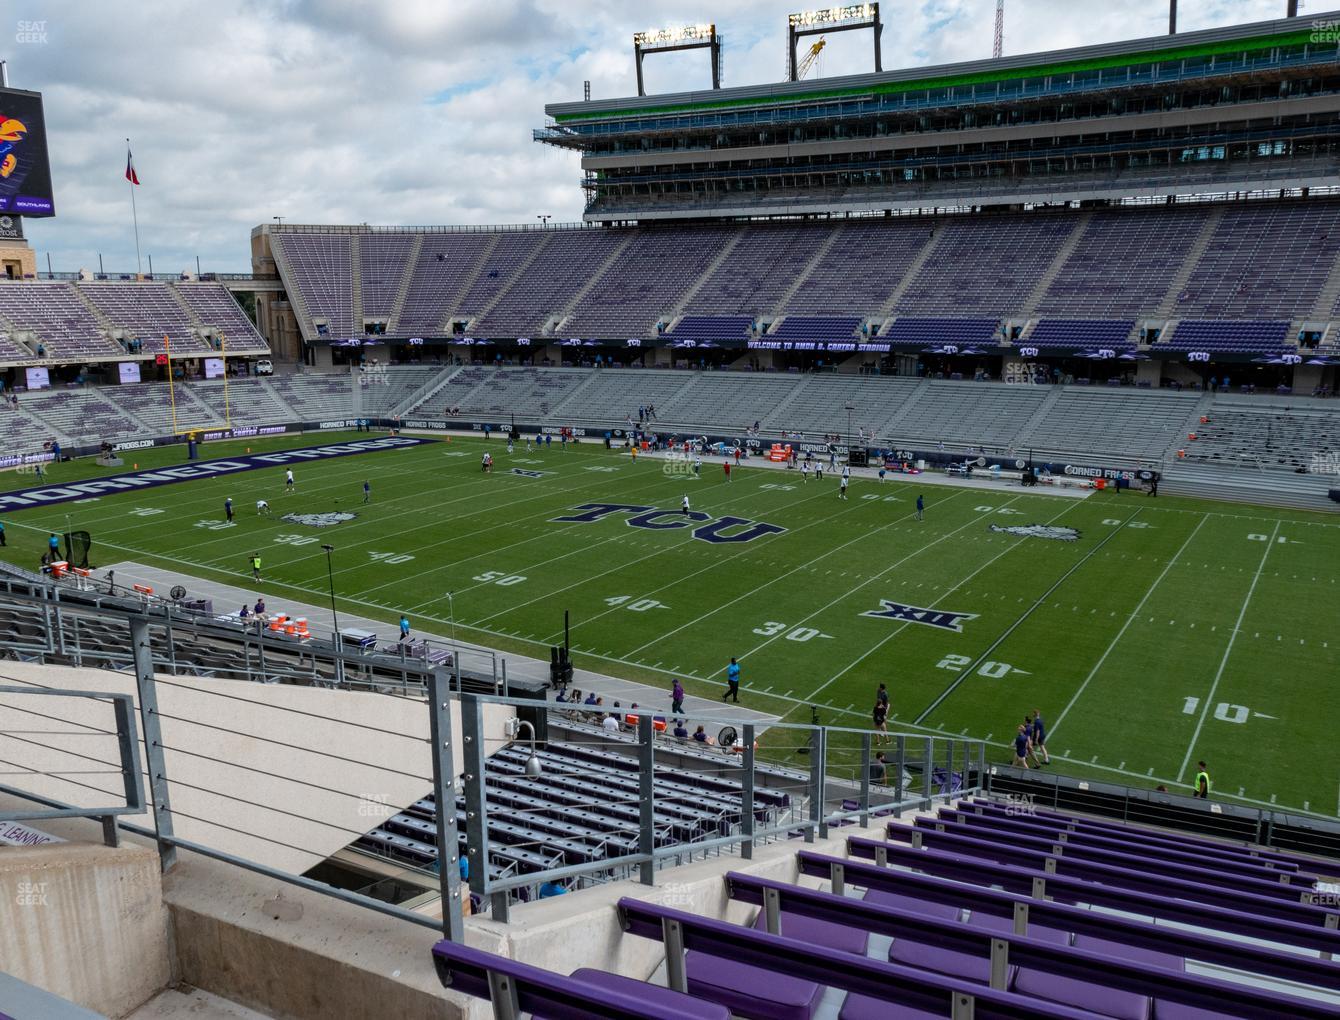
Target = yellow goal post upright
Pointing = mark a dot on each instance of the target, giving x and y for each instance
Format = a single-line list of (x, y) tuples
[(177, 429)]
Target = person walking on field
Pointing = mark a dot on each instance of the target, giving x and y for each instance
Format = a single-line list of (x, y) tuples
[(256, 566), (881, 716), (1021, 748), (677, 698), (1202, 781), (1037, 733), (732, 682)]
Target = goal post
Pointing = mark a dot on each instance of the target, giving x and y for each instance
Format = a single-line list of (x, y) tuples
[(178, 428)]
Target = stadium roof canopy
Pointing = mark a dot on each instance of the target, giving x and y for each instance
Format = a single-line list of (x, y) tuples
[(1214, 42)]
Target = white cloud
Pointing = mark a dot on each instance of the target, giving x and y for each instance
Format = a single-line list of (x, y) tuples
[(419, 111)]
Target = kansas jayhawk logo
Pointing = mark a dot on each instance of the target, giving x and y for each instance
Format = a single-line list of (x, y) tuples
[(327, 520), (11, 133), (1052, 531), (914, 614)]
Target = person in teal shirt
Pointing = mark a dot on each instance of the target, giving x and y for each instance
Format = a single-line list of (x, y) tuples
[(732, 682)]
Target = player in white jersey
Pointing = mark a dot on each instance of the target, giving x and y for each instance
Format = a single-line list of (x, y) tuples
[(262, 507), (684, 503), (805, 471), (842, 491), (288, 480)]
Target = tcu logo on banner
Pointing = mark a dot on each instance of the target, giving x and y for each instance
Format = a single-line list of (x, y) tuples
[(1198, 356), (652, 519), (1103, 352), (913, 614), (1292, 359), (1028, 352), (951, 349)]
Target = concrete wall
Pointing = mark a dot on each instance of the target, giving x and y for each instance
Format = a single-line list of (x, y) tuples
[(85, 922), (282, 775)]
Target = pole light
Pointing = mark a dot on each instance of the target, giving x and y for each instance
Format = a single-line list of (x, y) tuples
[(330, 575)]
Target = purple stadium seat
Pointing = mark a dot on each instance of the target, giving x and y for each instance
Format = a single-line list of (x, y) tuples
[(751, 991), (650, 993), (895, 902), (1092, 995), (862, 1007), (1144, 957), (824, 933)]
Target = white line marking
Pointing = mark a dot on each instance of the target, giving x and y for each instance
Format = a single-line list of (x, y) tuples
[(1129, 620), (1214, 687)]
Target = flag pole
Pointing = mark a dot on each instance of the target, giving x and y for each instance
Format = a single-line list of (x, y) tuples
[(135, 216)]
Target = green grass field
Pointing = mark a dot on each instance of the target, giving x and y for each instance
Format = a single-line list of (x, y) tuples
[(1170, 630)]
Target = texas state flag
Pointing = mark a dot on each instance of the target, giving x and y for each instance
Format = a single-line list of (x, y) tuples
[(131, 176)]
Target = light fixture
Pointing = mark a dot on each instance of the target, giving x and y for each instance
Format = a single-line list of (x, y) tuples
[(533, 766)]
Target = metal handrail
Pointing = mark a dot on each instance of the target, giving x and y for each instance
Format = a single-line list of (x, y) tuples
[(128, 746)]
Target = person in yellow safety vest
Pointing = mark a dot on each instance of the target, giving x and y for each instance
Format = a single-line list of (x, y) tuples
[(256, 566), (1202, 781)]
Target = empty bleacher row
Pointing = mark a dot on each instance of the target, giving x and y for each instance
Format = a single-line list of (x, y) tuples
[(88, 415), (96, 321), (1272, 435), (1258, 261), (582, 808), (898, 412), (984, 909)]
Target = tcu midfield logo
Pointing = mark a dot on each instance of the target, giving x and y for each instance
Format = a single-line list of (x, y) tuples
[(652, 519)]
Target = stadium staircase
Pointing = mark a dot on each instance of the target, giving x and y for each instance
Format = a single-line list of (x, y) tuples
[(296, 297), (1323, 310), (1168, 306), (454, 308), (686, 299), (1064, 252), (1040, 415), (280, 399), (820, 253), (356, 276), (406, 278), (518, 273), (93, 309), (425, 393), (912, 271), (185, 306), (575, 301)]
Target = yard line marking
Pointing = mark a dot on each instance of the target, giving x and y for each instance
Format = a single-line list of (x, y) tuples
[(1039, 601), (864, 537), (658, 550), (1125, 626), (976, 520), (655, 591), (1214, 687)]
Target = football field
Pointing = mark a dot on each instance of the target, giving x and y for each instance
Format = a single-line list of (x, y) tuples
[(1150, 632)]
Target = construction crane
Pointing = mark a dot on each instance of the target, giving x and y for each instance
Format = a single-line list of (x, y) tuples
[(806, 65), (998, 46)]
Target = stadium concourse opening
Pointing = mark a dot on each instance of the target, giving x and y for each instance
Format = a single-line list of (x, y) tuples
[(730, 604)]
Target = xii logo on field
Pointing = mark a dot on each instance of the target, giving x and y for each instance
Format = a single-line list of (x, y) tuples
[(914, 614)]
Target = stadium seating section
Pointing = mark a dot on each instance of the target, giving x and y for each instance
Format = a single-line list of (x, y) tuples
[(96, 321), (1090, 425), (1089, 271), (1129, 923)]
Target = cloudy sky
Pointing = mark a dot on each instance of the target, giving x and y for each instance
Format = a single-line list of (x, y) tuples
[(410, 111)]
